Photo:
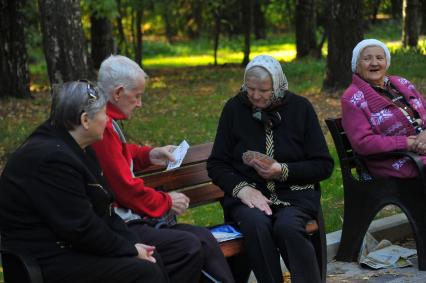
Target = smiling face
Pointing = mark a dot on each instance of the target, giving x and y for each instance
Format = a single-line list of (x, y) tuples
[(259, 91), (372, 65), (129, 99)]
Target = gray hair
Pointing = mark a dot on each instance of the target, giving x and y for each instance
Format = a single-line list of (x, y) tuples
[(118, 70), (259, 73), (71, 99)]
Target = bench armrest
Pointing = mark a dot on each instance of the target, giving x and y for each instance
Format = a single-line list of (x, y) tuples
[(20, 267), (414, 157)]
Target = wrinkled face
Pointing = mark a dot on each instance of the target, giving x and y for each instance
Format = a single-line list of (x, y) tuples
[(132, 98), (372, 65), (97, 124), (259, 92)]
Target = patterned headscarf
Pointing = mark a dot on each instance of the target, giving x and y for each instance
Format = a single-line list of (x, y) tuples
[(270, 116), (279, 81)]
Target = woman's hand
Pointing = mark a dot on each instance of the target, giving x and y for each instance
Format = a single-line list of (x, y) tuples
[(145, 252), (268, 171), (160, 155), (254, 198), (417, 143), (180, 202)]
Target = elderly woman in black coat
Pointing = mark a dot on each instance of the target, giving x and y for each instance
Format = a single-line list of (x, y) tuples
[(55, 204), (268, 157)]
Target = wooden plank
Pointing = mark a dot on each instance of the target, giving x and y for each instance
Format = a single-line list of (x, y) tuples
[(178, 178), (232, 247), (204, 194), (196, 154)]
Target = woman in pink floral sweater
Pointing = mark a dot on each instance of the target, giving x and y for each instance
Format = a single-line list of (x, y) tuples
[(382, 113)]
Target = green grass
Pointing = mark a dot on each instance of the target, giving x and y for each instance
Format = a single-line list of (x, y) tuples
[(185, 102)]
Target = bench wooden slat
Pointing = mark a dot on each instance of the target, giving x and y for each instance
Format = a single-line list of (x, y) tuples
[(179, 178), (196, 154), (232, 247), (207, 193)]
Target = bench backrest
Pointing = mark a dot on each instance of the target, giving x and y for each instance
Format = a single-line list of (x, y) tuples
[(191, 177), (347, 157)]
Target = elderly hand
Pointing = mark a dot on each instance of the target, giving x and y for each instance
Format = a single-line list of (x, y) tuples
[(417, 144), (145, 252), (268, 171), (160, 155), (254, 198), (180, 202)]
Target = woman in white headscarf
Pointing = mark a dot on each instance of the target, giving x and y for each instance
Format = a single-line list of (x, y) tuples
[(272, 191), (382, 113)]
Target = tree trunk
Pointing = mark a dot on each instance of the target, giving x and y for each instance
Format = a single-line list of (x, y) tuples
[(375, 11), (217, 19), (196, 19), (14, 76), (410, 34), (246, 8), (169, 29), (344, 32), (259, 23), (396, 6), (306, 42), (122, 42), (423, 13), (139, 42), (102, 41), (63, 40)]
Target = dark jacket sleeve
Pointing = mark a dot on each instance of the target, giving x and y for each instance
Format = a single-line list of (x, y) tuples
[(59, 196), (317, 164), (219, 164)]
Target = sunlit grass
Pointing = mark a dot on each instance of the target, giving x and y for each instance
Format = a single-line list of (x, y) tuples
[(284, 52)]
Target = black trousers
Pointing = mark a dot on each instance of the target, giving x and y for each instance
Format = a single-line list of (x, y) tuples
[(83, 268), (185, 250), (266, 237)]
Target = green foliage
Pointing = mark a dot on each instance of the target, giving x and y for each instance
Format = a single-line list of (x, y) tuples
[(100, 8), (280, 14)]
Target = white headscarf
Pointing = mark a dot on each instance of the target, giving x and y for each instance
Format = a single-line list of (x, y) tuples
[(279, 81), (366, 43)]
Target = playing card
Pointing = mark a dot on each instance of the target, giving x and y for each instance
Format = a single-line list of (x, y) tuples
[(264, 158), (249, 155)]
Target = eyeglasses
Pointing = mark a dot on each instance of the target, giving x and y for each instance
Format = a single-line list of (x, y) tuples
[(92, 91)]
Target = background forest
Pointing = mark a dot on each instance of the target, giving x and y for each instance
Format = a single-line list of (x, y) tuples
[(194, 52)]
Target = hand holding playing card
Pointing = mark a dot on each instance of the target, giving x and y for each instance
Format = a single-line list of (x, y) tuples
[(250, 155), (267, 167)]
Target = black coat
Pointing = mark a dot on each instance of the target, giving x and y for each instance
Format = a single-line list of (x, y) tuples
[(298, 142), (54, 201)]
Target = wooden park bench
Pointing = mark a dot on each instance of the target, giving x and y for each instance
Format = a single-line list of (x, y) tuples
[(366, 195), (191, 178)]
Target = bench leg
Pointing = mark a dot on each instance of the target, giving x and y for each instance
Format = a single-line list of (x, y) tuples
[(319, 241), (355, 225)]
